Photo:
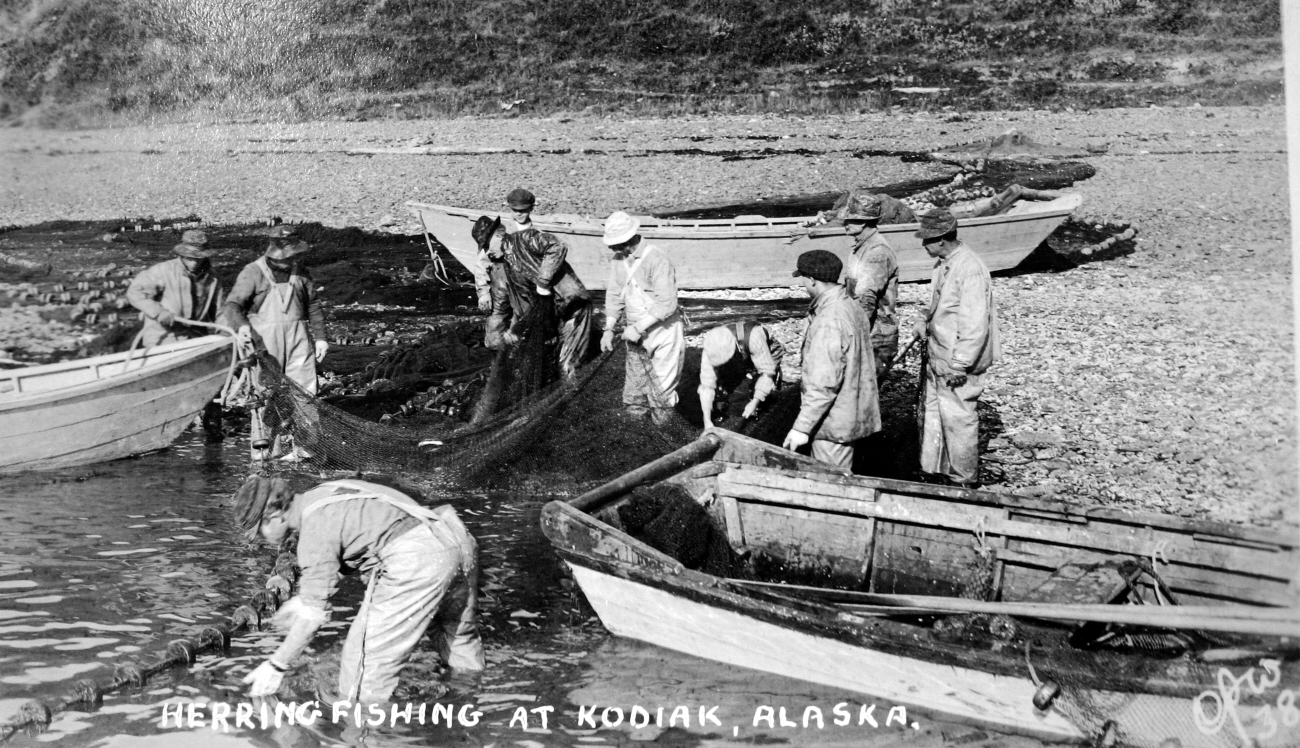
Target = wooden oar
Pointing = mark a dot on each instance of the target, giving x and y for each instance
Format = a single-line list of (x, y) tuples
[(1234, 619), (674, 462)]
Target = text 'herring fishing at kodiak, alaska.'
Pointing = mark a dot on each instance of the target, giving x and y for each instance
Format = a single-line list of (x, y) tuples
[(836, 408)]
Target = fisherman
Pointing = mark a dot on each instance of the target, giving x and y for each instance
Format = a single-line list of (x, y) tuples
[(422, 564), (733, 352), (534, 266), (275, 301), (872, 277), (962, 333), (183, 287), (491, 281), (839, 404), (643, 285)]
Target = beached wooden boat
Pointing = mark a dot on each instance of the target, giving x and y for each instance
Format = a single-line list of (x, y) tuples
[(754, 251), (847, 578), (102, 408)]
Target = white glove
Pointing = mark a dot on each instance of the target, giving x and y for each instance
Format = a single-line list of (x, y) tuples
[(165, 318), (509, 338), (543, 291), (748, 412), (631, 334), (484, 300), (607, 341), (321, 347), (265, 679), (794, 440)]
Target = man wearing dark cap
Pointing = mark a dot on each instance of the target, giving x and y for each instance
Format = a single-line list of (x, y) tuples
[(961, 329), (180, 288), (872, 277), (839, 404), (535, 267), (275, 300)]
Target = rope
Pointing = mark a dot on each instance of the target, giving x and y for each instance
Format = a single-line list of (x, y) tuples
[(36, 715)]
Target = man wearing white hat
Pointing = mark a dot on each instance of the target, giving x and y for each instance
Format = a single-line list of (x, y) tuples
[(274, 297), (643, 285), (182, 287)]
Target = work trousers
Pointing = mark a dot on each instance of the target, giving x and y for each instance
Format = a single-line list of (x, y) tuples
[(950, 429), (650, 380), (419, 580), (833, 453), (884, 352)]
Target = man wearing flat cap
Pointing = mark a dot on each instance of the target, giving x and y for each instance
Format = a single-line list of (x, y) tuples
[(839, 403), (534, 267), (872, 276), (643, 288), (961, 330), (275, 301), (180, 288)]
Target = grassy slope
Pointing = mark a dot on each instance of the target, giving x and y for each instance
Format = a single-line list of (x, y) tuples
[(63, 60)]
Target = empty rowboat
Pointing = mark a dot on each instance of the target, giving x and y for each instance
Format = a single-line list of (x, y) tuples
[(102, 408), (754, 251)]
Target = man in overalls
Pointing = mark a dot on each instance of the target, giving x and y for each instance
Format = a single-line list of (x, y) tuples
[(183, 287), (422, 565), (643, 284), (274, 298), (733, 352)]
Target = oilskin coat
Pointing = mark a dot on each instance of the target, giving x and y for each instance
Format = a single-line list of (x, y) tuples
[(961, 325), (537, 258), (840, 402)]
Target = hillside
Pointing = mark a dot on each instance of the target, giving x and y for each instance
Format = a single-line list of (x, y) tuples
[(67, 62)]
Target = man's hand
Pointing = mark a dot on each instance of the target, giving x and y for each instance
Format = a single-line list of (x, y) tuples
[(946, 374), (543, 291), (794, 440), (918, 329), (265, 679), (510, 338), (321, 347), (749, 410), (165, 318), (631, 334), (485, 300), (244, 339), (607, 341)]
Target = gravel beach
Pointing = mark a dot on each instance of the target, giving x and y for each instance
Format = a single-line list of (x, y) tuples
[(1162, 380)]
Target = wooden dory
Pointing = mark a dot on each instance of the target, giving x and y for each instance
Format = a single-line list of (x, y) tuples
[(889, 543), (753, 251), (106, 407)]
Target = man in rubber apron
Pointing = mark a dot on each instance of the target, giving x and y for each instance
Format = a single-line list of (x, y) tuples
[(643, 284), (274, 298), (422, 565)]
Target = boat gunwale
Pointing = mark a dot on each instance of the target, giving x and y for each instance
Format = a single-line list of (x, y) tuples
[(826, 619), (763, 229), (13, 402)]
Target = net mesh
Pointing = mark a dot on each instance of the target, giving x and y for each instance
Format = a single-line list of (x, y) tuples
[(519, 424)]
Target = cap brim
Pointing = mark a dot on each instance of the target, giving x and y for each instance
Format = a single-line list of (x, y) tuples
[(193, 252), (620, 238)]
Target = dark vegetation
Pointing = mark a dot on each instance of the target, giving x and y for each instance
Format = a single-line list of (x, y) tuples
[(70, 61)]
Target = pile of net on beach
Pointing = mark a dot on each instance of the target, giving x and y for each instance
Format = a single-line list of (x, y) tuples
[(529, 425)]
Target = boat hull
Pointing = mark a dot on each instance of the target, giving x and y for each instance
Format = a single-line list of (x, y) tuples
[(753, 251), (127, 409)]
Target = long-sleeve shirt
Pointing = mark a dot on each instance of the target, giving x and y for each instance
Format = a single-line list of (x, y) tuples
[(839, 400), (872, 279), (340, 538), (962, 325), (657, 278), (167, 286), (251, 288), (760, 350)]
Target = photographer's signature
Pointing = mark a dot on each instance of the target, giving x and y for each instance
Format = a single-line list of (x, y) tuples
[(1213, 710)]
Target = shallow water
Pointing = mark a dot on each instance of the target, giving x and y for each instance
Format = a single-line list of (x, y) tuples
[(107, 564)]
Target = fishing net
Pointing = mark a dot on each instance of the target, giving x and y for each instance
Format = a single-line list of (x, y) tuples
[(668, 519)]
